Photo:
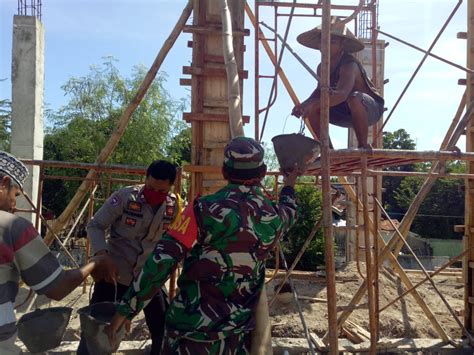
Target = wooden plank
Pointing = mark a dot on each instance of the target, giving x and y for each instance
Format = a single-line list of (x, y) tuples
[(185, 82), (214, 30), (209, 71), (189, 117), (459, 228), (202, 169)]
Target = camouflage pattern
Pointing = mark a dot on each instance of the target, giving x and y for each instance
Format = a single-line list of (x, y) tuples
[(238, 344), (243, 153), (224, 272)]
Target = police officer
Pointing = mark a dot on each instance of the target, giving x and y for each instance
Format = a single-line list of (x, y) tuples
[(136, 216), (224, 240)]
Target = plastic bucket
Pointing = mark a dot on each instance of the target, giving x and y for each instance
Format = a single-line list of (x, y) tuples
[(43, 329), (94, 318), (295, 149)]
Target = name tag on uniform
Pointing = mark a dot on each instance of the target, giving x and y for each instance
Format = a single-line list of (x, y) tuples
[(130, 221), (134, 206)]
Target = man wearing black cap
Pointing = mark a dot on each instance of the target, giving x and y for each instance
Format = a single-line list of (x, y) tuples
[(224, 240), (354, 101), (23, 254)]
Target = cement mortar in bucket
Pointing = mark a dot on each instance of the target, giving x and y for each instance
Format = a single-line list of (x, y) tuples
[(295, 149), (94, 318), (43, 329)]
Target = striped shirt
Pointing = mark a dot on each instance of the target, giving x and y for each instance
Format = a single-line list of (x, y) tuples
[(22, 254)]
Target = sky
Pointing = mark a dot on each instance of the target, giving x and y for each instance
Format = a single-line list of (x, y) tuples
[(80, 33)]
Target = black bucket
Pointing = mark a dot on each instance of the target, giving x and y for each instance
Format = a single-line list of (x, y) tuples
[(295, 149), (94, 318), (43, 329)]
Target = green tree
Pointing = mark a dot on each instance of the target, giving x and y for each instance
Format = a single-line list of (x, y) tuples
[(79, 130), (442, 208), (5, 124), (400, 139), (309, 210), (179, 149)]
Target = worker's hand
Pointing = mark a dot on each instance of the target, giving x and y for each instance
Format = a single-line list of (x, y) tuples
[(104, 269), (298, 110), (118, 321), (290, 176)]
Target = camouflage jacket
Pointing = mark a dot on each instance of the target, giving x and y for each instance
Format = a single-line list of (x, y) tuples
[(224, 271)]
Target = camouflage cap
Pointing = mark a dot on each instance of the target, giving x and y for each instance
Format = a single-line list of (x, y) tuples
[(13, 168), (243, 153)]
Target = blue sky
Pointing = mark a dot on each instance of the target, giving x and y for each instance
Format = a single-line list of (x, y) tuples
[(79, 33)]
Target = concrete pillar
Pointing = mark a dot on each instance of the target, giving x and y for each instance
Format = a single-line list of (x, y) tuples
[(27, 99)]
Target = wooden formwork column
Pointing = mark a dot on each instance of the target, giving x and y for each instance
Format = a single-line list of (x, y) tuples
[(469, 195), (209, 109)]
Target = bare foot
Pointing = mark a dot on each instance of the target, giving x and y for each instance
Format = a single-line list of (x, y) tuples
[(368, 147)]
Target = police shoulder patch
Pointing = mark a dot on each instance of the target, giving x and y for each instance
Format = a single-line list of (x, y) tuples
[(115, 200)]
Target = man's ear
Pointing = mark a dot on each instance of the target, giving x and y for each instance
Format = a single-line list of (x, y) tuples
[(5, 182)]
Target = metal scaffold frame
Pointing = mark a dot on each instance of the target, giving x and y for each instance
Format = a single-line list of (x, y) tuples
[(362, 163)]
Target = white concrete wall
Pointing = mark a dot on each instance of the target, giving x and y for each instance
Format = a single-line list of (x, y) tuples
[(27, 99)]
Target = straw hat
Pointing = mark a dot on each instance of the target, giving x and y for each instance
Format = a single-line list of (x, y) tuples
[(312, 38)]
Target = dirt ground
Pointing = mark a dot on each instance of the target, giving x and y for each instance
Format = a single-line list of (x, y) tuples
[(403, 319)]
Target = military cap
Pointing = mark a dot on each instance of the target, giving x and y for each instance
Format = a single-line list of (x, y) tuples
[(13, 168), (243, 153)]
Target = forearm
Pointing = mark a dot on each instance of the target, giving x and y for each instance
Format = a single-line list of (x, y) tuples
[(287, 207), (72, 279), (157, 269)]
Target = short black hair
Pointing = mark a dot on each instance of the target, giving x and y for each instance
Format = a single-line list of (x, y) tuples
[(162, 170), (239, 175)]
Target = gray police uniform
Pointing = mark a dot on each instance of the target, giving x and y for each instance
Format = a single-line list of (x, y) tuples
[(135, 227)]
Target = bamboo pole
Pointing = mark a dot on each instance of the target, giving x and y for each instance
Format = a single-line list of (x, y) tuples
[(429, 182), (326, 177), (233, 87), (433, 274), (369, 269), (121, 125), (451, 310), (353, 197)]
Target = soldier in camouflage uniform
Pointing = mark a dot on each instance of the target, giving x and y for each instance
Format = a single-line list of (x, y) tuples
[(136, 216), (224, 240)]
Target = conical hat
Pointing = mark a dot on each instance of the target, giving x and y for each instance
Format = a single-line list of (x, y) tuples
[(312, 38)]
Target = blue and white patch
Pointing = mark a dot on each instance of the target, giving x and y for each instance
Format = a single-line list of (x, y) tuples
[(115, 201)]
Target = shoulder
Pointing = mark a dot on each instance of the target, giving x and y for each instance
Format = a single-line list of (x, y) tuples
[(16, 231), (122, 196)]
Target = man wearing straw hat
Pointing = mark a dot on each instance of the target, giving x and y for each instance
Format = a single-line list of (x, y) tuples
[(23, 254), (224, 240), (354, 102)]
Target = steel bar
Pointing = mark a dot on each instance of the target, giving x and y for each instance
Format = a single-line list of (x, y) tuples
[(427, 155), (300, 312), (440, 294), (274, 84), (297, 57), (428, 52), (445, 266), (49, 227)]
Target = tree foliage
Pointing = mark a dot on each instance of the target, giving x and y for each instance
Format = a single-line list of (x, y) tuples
[(309, 210), (5, 124), (79, 130), (444, 205)]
